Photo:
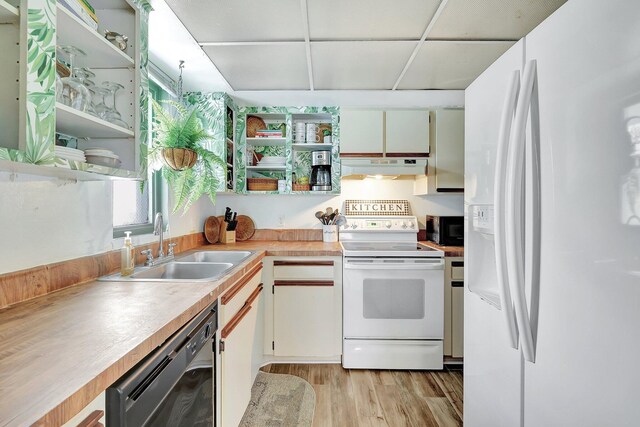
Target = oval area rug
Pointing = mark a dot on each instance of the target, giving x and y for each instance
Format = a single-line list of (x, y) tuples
[(280, 400)]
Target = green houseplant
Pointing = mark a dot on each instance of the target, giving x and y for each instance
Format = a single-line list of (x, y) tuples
[(178, 148)]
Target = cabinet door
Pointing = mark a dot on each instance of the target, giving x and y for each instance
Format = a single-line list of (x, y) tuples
[(457, 319), (361, 133), (407, 133), (449, 162), (304, 319), (237, 360)]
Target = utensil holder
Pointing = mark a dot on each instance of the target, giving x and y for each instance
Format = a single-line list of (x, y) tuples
[(228, 236), (330, 233)]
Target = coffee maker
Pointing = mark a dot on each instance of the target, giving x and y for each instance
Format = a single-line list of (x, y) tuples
[(320, 171)]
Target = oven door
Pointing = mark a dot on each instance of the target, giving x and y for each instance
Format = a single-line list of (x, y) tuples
[(393, 298)]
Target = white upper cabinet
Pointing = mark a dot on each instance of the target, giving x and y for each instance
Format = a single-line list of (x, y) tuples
[(407, 133), (361, 132), (449, 159)]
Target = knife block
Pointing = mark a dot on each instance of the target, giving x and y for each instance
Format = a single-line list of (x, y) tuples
[(227, 236)]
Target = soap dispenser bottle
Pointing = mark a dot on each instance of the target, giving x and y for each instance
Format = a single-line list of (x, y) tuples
[(127, 261)]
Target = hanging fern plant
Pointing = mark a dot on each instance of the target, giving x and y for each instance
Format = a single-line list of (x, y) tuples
[(180, 128)]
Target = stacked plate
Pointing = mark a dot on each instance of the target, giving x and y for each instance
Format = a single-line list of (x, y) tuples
[(272, 161), (102, 157), (69, 154)]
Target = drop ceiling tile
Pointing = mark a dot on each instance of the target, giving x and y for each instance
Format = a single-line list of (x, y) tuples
[(451, 65), (240, 20), (262, 67), (491, 19), (358, 65), (369, 19)]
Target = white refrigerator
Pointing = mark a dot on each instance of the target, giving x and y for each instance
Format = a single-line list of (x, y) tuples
[(552, 231)]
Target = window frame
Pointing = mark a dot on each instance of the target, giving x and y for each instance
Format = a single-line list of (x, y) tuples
[(157, 189)]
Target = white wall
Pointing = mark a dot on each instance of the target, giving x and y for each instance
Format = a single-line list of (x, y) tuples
[(289, 211)]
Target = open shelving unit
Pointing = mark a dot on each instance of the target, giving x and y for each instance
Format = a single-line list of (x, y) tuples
[(100, 52), (93, 172), (298, 155), (82, 125)]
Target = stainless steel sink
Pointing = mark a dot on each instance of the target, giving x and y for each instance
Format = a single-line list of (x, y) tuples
[(187, 271), (175, 272), (234, 257)]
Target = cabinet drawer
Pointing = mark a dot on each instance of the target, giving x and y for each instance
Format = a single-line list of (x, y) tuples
[(457, 270), (233, 300), (316, 270)]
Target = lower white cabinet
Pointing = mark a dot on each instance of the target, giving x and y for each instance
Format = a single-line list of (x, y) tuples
[(306, 301), (454, 307), (240, 346)]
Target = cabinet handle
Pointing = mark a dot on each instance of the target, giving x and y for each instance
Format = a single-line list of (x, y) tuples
[(457, 263), (254, 294), (457, 284), (357, 155), (406, 154), (303, 283), (241, 284), (235, 320), (92, 420), (301, 263)]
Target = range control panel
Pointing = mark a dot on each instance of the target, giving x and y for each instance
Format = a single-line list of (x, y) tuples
[(407, 223)]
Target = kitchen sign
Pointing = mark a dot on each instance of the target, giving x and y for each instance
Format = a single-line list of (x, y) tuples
[(376, 207)]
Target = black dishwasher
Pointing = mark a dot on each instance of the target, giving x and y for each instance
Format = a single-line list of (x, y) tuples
[(172, 386)]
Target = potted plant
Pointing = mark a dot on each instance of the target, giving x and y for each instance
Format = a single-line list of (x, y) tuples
[(178, 148)]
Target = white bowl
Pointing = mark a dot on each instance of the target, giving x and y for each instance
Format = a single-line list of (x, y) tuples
[(109, 162)]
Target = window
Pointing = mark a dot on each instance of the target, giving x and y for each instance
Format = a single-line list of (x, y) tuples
[(134, 210)]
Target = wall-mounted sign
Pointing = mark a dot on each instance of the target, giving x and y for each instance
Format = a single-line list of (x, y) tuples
[(376, 207)]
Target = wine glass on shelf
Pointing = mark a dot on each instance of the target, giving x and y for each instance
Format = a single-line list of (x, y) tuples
[(84, 75), (101, 108), (113, 115), (78, 94)]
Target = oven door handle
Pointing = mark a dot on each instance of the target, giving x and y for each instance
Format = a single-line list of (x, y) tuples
[(379, 265)]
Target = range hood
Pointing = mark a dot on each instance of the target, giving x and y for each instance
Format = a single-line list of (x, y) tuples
[(383, 166)]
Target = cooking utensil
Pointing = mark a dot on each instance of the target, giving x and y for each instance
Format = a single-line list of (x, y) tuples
[(320, 216), (336, 213), (245, 228), (227, 214), (329, 211), (212, 229), (341, 220)]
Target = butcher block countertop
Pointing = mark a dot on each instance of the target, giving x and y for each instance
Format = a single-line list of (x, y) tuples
[(453, 251), (59, 351)]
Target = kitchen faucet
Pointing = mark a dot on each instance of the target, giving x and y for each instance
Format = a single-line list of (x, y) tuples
[(158, 230)]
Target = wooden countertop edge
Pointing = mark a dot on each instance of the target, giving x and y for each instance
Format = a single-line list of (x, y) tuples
[(69, 407), (449, 251)]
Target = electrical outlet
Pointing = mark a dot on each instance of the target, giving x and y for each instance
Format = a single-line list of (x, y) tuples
[(281, 219)]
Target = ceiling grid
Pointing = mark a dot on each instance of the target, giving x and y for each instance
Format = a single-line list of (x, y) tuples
[(357, 44)]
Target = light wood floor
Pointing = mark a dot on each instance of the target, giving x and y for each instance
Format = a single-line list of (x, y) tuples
[(346, 398)]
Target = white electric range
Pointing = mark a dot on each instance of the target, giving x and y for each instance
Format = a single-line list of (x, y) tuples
[(393, 295)]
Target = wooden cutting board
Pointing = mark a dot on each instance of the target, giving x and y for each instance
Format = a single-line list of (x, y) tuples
[(212, 229), (245, 228)]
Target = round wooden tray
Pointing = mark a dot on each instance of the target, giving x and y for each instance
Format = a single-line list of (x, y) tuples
[(254, 124), (212, 229), (245, 229)]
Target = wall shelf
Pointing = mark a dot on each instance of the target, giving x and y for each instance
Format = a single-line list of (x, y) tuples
[(311, 147), (93, 172), (266, 168), (266, 142), (82, 125), (100, 52), (8, 13)]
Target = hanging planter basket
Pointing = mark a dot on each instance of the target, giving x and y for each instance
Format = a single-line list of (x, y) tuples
[(179, 159)]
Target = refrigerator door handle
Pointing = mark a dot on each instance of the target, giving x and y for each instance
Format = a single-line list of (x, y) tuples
[(515, 224), (506, 120)]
